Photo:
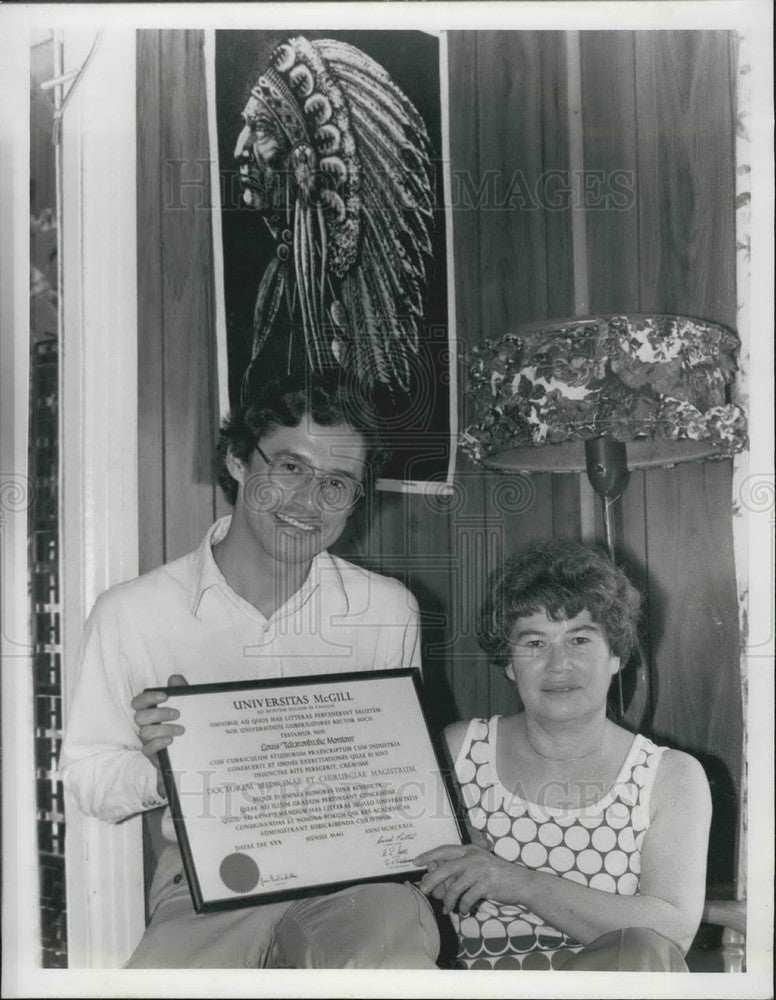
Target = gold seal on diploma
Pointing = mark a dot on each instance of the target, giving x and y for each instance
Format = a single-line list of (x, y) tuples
[(239, 872)]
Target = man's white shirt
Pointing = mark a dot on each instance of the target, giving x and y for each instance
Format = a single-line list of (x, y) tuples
[(184, 618)]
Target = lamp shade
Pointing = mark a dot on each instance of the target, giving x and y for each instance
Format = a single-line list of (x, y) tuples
[(658, 383)]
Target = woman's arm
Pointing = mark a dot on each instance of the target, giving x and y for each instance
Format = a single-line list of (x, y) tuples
[(672, 883)]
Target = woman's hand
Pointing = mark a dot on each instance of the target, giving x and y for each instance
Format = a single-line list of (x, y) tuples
[(462, 875)]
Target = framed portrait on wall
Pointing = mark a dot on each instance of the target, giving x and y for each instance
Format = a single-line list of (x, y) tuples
[(333, 245)]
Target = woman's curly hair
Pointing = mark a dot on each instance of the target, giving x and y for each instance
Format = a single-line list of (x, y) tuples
[(562, 577), (329, 399)]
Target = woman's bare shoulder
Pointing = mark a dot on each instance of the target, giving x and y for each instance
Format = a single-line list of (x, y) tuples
[(454, 735), (678, 765), (681, 778)]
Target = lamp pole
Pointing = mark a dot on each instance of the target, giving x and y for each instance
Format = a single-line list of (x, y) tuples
[(606, 460), (607, 470)]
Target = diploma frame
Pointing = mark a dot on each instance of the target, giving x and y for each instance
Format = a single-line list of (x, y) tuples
[(373, 838)]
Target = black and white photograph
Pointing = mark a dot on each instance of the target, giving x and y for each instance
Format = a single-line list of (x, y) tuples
[(387, 508)]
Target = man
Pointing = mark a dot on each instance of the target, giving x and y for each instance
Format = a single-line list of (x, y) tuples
[(261, 598)]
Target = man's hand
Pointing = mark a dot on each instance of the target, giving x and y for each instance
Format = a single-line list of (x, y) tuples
[(463, 875), (156, 724)]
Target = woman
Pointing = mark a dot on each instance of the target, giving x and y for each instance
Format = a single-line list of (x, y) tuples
[(589, 844)]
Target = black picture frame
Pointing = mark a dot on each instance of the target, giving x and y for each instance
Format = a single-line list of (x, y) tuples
[(445, 792)]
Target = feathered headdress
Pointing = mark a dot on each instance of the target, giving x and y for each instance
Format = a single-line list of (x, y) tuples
[(342, 155)]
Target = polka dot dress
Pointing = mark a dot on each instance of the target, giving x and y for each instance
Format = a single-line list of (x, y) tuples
[(598, 846)]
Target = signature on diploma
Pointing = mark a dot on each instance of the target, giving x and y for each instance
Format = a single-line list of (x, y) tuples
[(278, 877), (396, 846), (396, 838)]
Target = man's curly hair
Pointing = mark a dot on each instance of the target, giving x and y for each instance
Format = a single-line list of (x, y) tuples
[(329, 399), (561, 577)]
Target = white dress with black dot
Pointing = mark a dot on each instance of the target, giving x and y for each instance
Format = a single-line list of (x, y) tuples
[(597, 846)]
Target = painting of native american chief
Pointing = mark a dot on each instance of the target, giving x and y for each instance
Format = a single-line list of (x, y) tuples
[(333, 226)]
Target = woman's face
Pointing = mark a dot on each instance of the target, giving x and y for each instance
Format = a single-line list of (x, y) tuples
[(562, 669)]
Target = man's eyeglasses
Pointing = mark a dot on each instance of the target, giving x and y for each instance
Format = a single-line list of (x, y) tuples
[(335, 491)]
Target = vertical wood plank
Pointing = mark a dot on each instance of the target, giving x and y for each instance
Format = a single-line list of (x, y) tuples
[(468, 678), (698, 705), (431, 579), (609, 121), (723, 744), (188, 307), (632, 551), (512, 246), (150, 354), (723, 739), (564, 490), (150, 383), (686, 173), (677, 554), (558, 262), (565, 506)]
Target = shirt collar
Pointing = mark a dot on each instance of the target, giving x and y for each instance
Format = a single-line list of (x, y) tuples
[(206, 571), (324, 573)]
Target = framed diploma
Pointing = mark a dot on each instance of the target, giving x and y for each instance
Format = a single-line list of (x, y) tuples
[(291, 787)]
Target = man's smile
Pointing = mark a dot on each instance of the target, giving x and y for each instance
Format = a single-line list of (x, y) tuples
[(296, 523)]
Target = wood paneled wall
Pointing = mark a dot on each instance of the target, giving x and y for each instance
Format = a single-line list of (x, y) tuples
[(658, 110), (177, 388)]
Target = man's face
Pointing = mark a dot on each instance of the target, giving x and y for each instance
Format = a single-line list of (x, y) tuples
[(288, 524), (562, 669)]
